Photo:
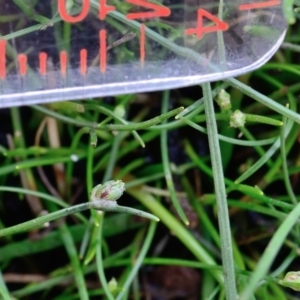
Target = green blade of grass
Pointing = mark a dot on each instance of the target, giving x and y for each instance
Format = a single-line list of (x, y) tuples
[(219, 183), (166, 163), (270, 252)]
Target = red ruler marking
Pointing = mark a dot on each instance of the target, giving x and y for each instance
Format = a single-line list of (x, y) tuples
[(158, 11), (142, 44), (83, 63), (104, 9), (200, 29), (43, 63), (2, 59), (259, 5), (63, 12), (22, 59), (102, 51), (63, 56)]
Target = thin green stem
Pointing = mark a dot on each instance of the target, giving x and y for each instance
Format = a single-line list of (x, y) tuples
[(220, 39), (231, 140), (262, 119), (271, 251), (166, 163), (63, 118), (260, 162), (73, 256), (139, 260), (3, 288), (290, 46), (28, 10), (142, 125), (44, 219), (112, 115), (99, 262), (98, 205), (224, 223), (94, 218), (97, 233), (266, 101), (4, 293), (110, 127), (285, 171)]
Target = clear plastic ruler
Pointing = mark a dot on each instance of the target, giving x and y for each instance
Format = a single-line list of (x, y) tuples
[(74, 49)]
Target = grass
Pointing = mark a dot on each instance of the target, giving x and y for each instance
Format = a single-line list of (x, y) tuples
[(227, 197)]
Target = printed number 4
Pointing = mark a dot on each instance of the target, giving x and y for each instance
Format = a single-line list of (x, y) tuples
[(200, 29)]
